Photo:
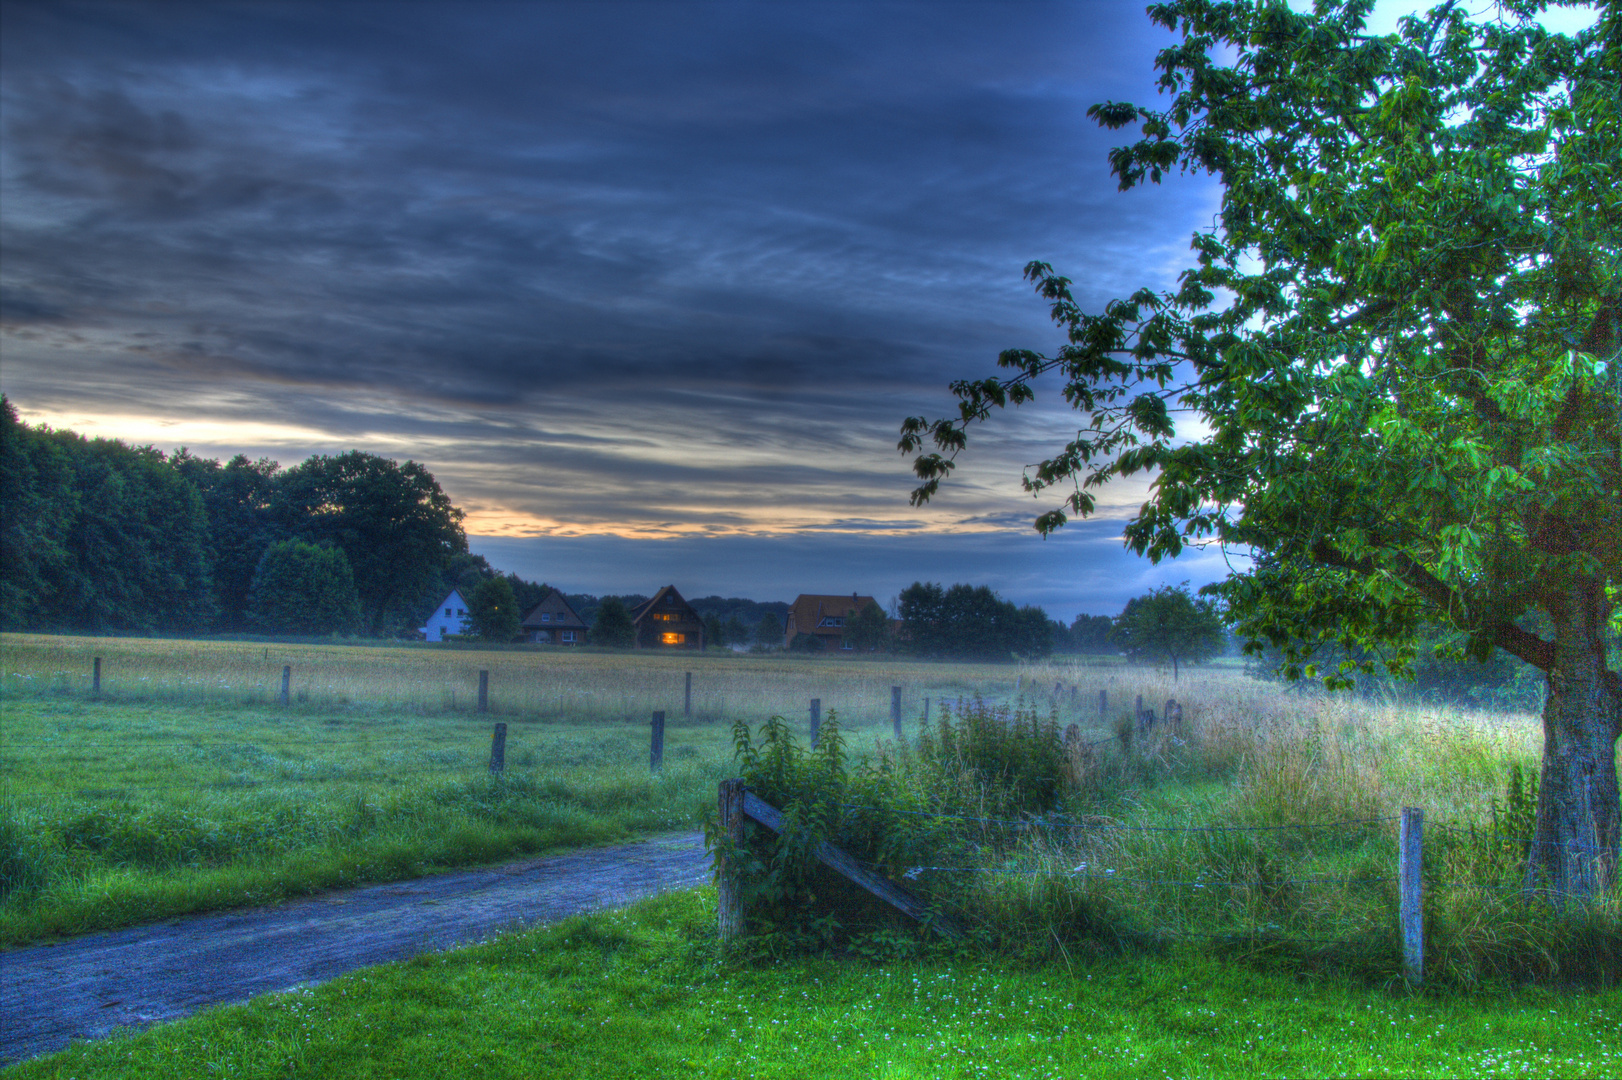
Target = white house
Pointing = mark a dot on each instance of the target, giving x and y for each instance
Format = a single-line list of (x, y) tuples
[(450, 617)]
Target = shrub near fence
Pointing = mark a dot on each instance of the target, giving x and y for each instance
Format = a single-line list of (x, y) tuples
[(966, 818)]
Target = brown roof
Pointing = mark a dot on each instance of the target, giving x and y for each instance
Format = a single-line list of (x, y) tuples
[(667, 599), (562, 614)]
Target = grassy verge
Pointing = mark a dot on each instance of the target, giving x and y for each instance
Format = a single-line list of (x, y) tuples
[(639, 993), (119, 813)]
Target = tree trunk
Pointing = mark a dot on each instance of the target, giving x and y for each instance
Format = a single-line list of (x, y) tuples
[(1574, 849)]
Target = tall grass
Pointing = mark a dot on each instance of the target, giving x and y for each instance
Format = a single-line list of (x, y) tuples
[(1267, 829)]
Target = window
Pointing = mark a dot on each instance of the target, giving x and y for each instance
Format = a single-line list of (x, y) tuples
[(447, 613), (673, 639), (546, 616), (568, 635), (832, 620), (664, 616), (462, 612), (844, 644)]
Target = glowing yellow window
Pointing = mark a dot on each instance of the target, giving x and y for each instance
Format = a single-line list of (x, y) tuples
[(674, 639)]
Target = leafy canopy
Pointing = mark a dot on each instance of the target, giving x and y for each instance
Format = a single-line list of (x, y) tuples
[(1399, 338)]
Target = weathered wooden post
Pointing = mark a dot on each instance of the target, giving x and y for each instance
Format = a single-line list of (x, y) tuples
[(926, 710), (287, 681), (1103, 706), (95, 676), (895, 709), (1019, 680), (1173, 717), (1410, 892), (498, 750), (484, 691), (656, 751), (816, 721), (687, 697), (729, 897)]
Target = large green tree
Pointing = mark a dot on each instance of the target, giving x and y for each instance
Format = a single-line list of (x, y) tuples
[(1399, 343), (395, 525), (303, 588)]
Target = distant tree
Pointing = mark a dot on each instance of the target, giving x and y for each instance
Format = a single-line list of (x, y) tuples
[(807, 643), (237, 498), (397, 527), (613, 626), (869, 630), (970, 622), (527, 593), (736, 632), (769, 632), (492, 610), (715, 635), (98, 535), (1169, 625), (1091, 634), (303, 588)]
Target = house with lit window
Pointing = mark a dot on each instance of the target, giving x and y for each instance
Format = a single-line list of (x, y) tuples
[(667, 622), (554, 622), (450, 617), (824, 617)]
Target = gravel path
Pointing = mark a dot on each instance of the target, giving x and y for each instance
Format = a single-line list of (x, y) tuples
[(87, 987)]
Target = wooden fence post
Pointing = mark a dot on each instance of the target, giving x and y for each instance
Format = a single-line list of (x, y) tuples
[(1103, 705), (729, 897), (498, 749), (484, 691), (926, 710), (816, 721), (287, 681), (95, 676), (687, 697), (895, 709), (1019, 680), (656, 750), (1410, 890)]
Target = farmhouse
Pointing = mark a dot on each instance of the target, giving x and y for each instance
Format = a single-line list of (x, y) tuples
[(824, 617), (667, 622), (554, 622), (450, 617)]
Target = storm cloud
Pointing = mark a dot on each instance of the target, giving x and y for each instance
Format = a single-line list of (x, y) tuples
[(633, 280)]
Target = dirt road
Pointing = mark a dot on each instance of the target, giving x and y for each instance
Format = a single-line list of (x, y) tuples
[(87, 987)]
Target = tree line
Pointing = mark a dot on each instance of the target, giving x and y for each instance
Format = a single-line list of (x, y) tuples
[(102, 536)]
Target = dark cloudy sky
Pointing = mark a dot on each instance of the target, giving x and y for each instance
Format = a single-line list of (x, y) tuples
[(648, 288)]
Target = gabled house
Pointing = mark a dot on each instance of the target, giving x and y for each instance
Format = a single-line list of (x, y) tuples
[(450, 617), (667, 622), (824, 617), (554, 622)]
